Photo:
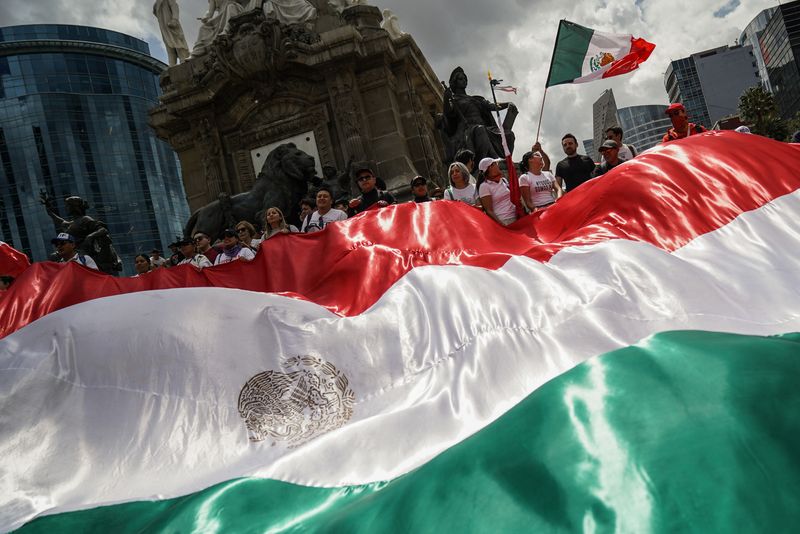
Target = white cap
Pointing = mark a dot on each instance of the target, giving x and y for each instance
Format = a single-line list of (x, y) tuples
[(486, 163), (742, 129)]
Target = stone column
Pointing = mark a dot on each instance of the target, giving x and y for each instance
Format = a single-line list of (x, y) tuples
[(347, 113), (208, 144)]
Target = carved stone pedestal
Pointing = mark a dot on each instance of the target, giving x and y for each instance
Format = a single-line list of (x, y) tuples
[(348, 92)]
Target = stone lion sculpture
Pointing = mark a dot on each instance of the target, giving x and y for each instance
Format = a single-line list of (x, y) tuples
[(282, 182)]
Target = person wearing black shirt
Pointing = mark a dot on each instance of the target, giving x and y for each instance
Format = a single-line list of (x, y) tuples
[(610, 152), (370, 194), (575, 168), (419, 188)]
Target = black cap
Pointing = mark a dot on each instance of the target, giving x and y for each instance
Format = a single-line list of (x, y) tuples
[(608, 143), (418, 180), (364, 167), (184, 241), (230, 232)]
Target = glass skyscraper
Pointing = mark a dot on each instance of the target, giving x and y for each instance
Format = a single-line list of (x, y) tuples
[(751, 37), (73, 121), (644, 126), (780, 46), (683, 85)]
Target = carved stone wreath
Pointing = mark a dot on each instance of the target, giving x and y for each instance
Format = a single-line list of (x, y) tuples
[(311, 398)]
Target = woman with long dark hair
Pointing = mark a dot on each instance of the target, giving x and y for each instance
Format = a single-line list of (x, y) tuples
[(142, 264)]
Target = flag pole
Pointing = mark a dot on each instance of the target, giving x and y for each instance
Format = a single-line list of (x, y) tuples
[(513, 181), (541, 112), (549, 74)]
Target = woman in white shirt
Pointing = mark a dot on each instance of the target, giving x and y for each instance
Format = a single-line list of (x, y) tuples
[(233, 250), (460, 188), (494, 193), (539, 188), (275, 224)]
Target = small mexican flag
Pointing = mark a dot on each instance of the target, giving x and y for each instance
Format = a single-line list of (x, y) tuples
[(583, 54)]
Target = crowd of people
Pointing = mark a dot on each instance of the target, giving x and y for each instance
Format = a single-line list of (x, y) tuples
[(487, 190)]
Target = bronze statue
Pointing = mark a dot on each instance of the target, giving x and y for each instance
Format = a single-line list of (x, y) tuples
[(92, 237), (282, 183), (467, 121)]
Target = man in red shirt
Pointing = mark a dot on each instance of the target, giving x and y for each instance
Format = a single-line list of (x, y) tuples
[(681, 127)]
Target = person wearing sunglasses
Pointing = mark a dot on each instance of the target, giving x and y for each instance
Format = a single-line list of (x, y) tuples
[(681, 127), (203, 244), (232, 249), (247, 235), (370, 194)]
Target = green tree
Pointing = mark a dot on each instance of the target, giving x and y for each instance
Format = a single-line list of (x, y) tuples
[(757, 107), (793, 125)]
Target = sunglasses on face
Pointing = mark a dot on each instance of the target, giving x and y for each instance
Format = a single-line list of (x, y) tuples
[(240, 230)]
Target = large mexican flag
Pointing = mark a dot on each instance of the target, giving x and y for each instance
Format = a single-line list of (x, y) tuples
[(624, 360), (582, 54)]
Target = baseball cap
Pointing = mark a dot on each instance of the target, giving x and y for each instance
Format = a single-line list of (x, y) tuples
[(230, 232), (743, 129), (674, 107), (418, 180), (184, 241), (63, 236), (608, 143), (486, 163), (363, 167)]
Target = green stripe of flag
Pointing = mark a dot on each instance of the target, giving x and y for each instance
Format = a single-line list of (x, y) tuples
[(684, 432), (572, 43)]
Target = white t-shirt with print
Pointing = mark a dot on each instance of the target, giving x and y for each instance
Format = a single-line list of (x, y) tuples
[(467, 194), (317, 222), (541, 187)]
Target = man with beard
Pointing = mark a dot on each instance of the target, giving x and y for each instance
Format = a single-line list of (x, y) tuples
[(575, 168)]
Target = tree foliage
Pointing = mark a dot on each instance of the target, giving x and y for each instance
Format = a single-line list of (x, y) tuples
[(757, 107), (793, 125)]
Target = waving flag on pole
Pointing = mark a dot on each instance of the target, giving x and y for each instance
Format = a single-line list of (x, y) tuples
[(507, 89), (582, 54), (625, 360)]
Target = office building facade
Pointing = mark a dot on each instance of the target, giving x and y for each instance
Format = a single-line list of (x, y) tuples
[(683, 85), (710, 83), (604, 115), (644, 126), (751, 36), (725, 73), (780, 45), (74, 107)]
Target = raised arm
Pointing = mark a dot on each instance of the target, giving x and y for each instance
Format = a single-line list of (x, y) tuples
[(537, 147)]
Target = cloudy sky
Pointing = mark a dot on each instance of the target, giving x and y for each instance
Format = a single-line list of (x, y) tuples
[(513, 38)]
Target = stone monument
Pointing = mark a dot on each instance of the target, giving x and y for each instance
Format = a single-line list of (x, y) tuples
[(281, 183), (468, 121), (169, 22), (338, 86)]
